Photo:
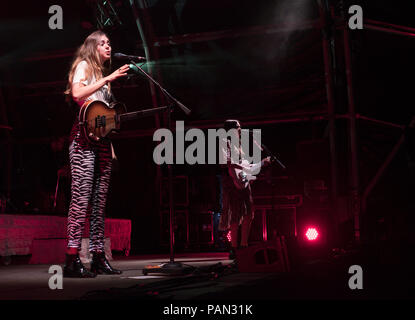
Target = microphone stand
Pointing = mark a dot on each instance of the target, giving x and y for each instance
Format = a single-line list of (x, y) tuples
[(273, 157), (172, 267), (274, 183)]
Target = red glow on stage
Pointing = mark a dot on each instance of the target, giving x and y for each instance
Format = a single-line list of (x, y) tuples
[(311, 234)]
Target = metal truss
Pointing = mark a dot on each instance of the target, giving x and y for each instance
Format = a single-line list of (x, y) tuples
[(106, 16)]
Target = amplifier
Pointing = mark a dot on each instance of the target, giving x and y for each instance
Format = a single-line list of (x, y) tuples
[(280, 201)]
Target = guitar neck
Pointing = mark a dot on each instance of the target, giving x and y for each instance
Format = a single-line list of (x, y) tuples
[(141, 113)]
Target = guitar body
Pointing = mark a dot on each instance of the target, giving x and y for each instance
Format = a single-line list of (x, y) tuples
[(99, 120), (241, 178)]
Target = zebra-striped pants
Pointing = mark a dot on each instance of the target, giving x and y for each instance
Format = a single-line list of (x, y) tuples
[(91, 173)]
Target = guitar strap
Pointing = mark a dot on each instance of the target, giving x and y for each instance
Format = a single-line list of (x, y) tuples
[(114, 157), (113, 100)]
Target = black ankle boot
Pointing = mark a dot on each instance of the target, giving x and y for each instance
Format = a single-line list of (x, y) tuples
[(100, 264), (75, 269)]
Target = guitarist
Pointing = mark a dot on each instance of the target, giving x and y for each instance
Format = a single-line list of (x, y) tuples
[(237, 203), (90, 164)]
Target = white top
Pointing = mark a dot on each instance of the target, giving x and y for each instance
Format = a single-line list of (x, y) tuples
[(80, 77), (226, 154), (238, 157)]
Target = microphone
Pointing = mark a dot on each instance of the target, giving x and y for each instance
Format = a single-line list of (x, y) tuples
[(121, 56)]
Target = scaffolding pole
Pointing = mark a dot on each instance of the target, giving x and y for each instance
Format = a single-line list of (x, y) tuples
[(353, 155), (328, 52), (9, 149)]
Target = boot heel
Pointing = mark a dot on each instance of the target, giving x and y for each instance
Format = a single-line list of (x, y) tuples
[(100, 264), (75, 269)]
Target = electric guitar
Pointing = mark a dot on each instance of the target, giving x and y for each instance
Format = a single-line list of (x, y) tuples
[(243, 177), (98, 119)]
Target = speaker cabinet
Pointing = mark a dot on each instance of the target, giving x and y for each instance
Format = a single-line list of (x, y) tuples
[(201, 228), (180, 227), (269, 223), (266, 257)]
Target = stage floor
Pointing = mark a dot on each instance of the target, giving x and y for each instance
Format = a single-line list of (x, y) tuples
[(215, 278), (31, 282)]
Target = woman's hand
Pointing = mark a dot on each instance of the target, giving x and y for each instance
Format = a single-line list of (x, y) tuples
[(81, 91), (120, 72), (267, 161)]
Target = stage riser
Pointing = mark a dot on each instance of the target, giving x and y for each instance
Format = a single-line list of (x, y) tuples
[(52, 251), (17, 232)]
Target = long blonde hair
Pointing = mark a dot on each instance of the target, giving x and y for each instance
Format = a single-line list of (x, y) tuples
[(88, 52)]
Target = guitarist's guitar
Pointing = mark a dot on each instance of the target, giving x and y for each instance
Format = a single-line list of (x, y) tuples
[(243, 177), (98, 119)]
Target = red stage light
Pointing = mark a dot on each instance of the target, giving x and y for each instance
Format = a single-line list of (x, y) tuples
[(311, 234), (228, 236)]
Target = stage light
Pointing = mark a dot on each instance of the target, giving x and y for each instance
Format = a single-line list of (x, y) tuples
[(228, 236), (311, 234)]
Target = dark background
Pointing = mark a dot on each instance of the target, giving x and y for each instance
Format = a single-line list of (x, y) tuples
[(255, 78)]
